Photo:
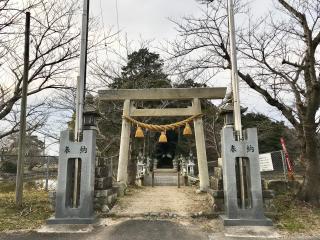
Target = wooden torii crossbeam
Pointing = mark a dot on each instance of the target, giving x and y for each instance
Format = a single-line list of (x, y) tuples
[(192, 94)]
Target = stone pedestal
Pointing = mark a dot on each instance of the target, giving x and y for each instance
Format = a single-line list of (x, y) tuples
[(232, 150), (85, 150)]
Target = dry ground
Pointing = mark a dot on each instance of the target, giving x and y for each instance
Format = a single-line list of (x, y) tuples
[(181, 205), (31, 215), (291, 219), (162, 199)]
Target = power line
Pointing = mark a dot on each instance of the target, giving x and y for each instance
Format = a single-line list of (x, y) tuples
[(104, 30), (118, 26), (117, 14)]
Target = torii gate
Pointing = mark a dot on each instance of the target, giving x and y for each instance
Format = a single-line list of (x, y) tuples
[(192, 94)]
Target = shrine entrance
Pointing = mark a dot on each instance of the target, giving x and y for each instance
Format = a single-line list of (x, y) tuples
[(193, 112), (165, 161)]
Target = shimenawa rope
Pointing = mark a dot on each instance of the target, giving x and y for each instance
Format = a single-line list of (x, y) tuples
[(154, 127)]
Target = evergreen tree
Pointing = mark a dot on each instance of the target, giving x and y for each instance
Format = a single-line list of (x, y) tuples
[(269, 131), (143, 70)]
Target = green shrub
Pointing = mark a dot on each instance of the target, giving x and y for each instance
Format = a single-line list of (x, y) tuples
[(8, 167)]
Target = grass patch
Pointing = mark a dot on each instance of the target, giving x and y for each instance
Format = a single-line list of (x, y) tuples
[(31, 215), (6, 187), (295, 216)]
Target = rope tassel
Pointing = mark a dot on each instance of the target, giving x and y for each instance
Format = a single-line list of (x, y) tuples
[(187, 130), (139, 133), (163, 128), (163, 138)]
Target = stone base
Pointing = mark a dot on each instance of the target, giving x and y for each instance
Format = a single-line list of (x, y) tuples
[(105, 199), (250, 232), (245, 222), (217, 198), (67, 228), (54, 220), (200, 191), (120, 188)]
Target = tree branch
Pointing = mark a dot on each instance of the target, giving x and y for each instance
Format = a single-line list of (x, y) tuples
[(286, 111)]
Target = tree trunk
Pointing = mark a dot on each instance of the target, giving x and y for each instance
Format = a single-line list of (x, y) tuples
[(310, 191), (302, 143)]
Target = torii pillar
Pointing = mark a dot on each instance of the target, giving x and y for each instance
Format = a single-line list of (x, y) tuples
[(122, 175), (201, 147)]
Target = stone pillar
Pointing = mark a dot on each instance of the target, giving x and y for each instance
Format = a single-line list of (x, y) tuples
[(201, 147), (124, 145), (85, 150), (232, 150)]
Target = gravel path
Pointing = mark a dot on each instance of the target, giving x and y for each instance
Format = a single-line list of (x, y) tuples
[(162, 200), (159, 213)]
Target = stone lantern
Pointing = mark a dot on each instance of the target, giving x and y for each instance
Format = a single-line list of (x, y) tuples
[(190, 165), (227, 114), (90, 113)]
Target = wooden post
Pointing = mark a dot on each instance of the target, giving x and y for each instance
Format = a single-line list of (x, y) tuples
[(201, 147), (23, 120), (152, 178), (124, 145), (47, 173)]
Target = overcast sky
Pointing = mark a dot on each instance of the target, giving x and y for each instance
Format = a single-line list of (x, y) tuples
[(149, 20)]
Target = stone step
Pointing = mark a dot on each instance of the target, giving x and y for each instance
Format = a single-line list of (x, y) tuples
[(165, 174), (162, 180), (165, 170)]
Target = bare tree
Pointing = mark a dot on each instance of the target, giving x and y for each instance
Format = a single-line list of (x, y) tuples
[(54, 53), (278, 58), (54, 44)]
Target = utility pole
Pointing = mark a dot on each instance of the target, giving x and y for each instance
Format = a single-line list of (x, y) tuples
[(81, 86), (81, 89), (46, 161), (22, 134), (236, 93)]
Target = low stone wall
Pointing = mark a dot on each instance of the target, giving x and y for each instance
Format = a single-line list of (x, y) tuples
[(105, 195), (217, 195)]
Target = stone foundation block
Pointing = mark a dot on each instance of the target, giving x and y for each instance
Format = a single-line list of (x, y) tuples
[(120, 188), (103, 193), (102, 171), (216, 183), (103, 183), (100, 161), (218, 172)]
